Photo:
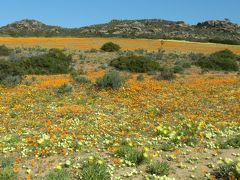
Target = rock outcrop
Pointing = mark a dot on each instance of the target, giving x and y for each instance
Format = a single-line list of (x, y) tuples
[(146, 28)]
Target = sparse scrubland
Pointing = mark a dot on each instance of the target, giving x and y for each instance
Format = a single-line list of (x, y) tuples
[(121, 114)]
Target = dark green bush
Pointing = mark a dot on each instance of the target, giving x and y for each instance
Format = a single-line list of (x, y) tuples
[(178, 69), (140, 77), (10, 73), (227, 169), (196, 56), (110, 47), (81, 79), (54, 62), (110, 80), (166, 74), (222, 60), (11, 81), (65, 88), (183, 64), (4, 51), (138, 64), (224, 41), (231, 142)]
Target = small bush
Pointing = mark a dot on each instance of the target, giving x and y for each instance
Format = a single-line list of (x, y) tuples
[(95, 169), (6, 169), (166, 74), (65, 88), (92, 50), (81, 79), (4, 51), (151, 73), (178, 69), (138, 64), (130, 154), (10, 73), (158, 168), (140, 77), (183, 64), (6, 161), (221, 61), (11, 81), (110, 47), (196, 56), (54, 62), (228, 169), (110, 80), (231, 142), (59, 174)]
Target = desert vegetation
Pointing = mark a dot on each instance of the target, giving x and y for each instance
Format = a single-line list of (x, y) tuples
[(110, 47), (125, 44), (125, 114)]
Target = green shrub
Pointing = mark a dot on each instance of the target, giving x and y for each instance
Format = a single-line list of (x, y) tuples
[(222, 60), (31, 81), (186, 65), (139, 51), (188, 131), (131, 154), (81, 79), (228, 169), (138, 64), (93, 50), (7, 173), (110, 80), (110, 47), (95, 169), (140, 77), (4, 51), (11, 81), (196, 56), (166, 74), (231, 142), (6, 168), (158, 168), (224, 41), (59, 175), (65, 88), (183, 64), (54, 62), (178, 69), (6, 161), (10, 73), (150, 73)]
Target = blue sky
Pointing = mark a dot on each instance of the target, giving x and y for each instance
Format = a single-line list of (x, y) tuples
[(77, 13)]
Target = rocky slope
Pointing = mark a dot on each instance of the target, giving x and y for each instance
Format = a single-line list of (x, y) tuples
[(147, 28)]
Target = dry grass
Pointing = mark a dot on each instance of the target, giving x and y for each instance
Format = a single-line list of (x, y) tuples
[(126, 44)]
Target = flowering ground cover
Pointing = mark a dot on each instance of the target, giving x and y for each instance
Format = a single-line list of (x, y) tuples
[(191, 123), (126, 44)]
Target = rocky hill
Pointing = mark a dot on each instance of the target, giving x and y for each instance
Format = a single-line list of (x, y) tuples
[(213, 31), (29, 28)]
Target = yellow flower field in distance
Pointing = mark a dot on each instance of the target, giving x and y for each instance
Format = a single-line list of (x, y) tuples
[(126, 44)]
